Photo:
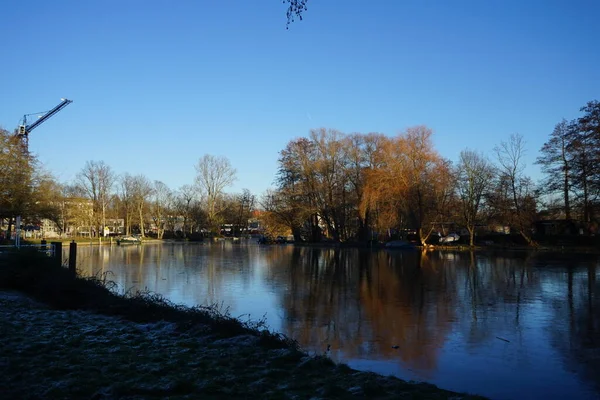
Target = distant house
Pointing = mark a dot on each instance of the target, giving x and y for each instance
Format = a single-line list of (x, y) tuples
[(115, 226), (254, 226)]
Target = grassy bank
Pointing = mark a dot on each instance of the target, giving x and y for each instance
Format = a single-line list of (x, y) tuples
[(68, 337)]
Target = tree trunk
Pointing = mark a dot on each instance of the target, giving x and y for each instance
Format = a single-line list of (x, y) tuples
[(424, 236), (296, 231), (141, 211), (9, 229), (127, 223), (103, 219), (566, 195), (519, 212), (315, 229), (528, 239)]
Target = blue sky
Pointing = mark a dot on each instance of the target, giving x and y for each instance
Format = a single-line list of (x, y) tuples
[(157, 84)]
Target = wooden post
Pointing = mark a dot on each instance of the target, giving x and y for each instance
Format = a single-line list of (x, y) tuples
[(73, 257), (57, 247)]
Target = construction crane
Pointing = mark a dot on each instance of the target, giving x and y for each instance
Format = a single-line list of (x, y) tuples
[(24, 128)]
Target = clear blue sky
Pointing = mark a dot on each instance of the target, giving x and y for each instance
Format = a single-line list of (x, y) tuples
[(157, 84)]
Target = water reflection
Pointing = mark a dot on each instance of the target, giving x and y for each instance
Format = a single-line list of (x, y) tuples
[(466, 321), (186, 274), (503, 325), (575, 320)]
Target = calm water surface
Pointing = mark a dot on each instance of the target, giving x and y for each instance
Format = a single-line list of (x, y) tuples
[(507, 326)]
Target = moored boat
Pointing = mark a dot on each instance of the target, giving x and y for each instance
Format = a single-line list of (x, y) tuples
[(131, 239)]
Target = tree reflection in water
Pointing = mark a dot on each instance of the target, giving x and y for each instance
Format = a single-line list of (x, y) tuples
[(575, 322), (365, 303), (397, 305)]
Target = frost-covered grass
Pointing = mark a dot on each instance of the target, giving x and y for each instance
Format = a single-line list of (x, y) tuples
[(66, 337)]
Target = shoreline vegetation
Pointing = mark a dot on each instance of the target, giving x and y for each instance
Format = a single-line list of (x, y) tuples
[(570, 245), (65, 336)]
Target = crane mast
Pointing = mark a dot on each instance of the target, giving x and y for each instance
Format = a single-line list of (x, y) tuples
[(24, 129)]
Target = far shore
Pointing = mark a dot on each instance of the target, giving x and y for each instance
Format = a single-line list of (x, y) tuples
[(461, 247)]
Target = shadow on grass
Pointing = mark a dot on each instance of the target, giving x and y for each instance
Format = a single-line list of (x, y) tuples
[(34, 274)]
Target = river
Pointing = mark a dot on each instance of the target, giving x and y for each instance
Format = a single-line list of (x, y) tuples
[(507, 325)]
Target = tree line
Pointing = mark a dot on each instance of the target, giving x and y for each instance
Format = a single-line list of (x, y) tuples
[(330, 185), (352, 186), (98, 195)]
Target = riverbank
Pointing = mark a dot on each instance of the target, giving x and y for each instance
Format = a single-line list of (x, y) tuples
[(460, 247), (67, 337), (559, 247)]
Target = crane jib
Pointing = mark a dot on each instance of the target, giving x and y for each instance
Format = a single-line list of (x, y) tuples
[(24, 130)]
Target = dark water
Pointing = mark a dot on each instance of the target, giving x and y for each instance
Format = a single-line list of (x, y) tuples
[(507, 326)]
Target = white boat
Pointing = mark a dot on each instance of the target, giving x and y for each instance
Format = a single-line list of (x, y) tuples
[(129, 240), (452, 237)]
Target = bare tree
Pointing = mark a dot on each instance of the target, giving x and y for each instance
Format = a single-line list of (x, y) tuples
[(331, 180), (162, 198), (96, 180), (519, 188), (185, 201), (214, 174), (281, 213), (295, 10), (244, 203), (556, 159), (48, 199), (412, 185), (142, 189), (474, 179), (64, 208), (362, 152), (126, 197), (297, 198), (17, 167), (75, 209), (584, 145)]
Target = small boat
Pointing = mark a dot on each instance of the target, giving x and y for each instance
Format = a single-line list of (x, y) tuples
[(453, 237), (129, 240)]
